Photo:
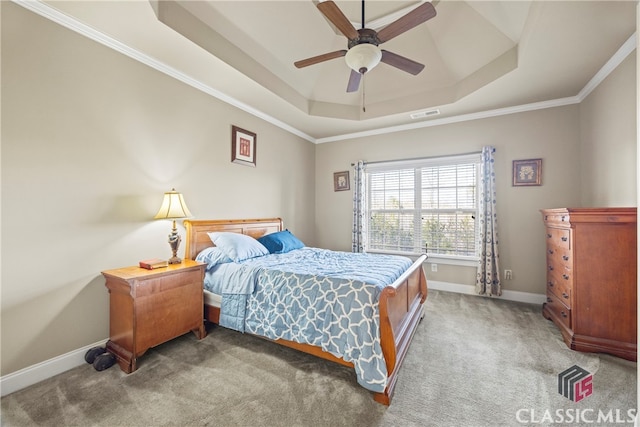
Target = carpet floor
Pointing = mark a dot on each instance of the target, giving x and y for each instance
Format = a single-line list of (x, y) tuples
[(473, 362)]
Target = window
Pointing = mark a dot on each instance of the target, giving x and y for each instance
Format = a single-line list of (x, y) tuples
[(422, 203)]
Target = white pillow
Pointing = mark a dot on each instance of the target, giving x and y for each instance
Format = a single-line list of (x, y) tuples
[(237, 246), (213, 256)]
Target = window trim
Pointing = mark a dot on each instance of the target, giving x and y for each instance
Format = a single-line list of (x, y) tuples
[(419, 163)]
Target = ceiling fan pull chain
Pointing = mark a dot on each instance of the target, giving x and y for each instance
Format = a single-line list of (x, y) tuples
[(364, 110)]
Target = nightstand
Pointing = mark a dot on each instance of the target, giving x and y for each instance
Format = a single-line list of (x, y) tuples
[(150, 307)]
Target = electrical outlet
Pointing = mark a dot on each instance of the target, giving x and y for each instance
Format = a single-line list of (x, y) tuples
[(508, 275), (434, 268)]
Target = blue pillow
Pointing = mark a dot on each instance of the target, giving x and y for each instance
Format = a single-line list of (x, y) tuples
[(212, 256), (237, 246), (281, 242)]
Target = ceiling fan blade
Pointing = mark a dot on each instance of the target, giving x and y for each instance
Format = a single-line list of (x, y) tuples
[(354, 81), (404, 64), (320, 58), (331, 11), (417, 16)]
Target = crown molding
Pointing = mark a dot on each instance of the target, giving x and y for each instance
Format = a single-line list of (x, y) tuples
[(73, 24), (624, 51)]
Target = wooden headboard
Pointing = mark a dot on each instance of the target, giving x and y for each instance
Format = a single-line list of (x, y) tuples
[(197, 238)]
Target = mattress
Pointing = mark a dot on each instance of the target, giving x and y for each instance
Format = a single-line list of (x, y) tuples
[(212, 299)]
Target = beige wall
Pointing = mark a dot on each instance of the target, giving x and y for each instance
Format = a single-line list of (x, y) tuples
[(608, 140), (90, 141), (550, 134)]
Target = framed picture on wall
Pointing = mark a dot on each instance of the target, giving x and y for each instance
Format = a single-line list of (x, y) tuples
[(243, 146), (341, 181), (527, 172)]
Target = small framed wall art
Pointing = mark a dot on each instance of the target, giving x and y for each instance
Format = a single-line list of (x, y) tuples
[(243, 146), (527, 172), (341, 181)]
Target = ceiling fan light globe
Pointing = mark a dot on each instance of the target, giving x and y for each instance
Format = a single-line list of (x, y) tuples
[(363, 56)]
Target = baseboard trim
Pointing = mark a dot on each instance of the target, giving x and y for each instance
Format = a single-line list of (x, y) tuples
[(508, 295), (41, 371), (49, 368)]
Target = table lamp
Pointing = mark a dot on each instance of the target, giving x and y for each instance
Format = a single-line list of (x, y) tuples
[(173, 207)]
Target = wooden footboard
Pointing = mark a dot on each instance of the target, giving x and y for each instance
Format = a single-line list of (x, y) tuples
[(400, 313), (400, 303)]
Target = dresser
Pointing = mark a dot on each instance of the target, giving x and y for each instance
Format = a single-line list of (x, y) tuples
[(150, 307), (591, 286)]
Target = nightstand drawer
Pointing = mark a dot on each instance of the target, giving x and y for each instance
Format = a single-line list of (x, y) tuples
[(151, 285)]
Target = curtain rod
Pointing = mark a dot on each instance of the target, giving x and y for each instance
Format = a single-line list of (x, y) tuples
[(421, 158)]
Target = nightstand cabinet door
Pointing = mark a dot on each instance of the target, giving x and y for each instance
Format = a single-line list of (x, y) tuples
[(165, 307), (592, 278), (150, 307)]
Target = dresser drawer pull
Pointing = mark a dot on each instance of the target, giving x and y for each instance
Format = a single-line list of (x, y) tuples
[(548, 236), (565, 277), (550, 284), (550, 251), (563, 218), (564, 295), (551, 268), (565, 257), (549, 299), (563, 314), (564, 239)]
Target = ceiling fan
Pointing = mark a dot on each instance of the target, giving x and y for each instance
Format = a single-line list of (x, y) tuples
[(363, 52)]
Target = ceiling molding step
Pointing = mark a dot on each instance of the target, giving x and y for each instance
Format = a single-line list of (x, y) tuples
[(455, 119)]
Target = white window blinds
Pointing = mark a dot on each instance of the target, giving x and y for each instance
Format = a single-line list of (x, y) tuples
[(421, 203)]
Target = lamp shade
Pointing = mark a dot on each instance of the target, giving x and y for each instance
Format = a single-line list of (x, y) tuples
[(173, 206), (363, 57)]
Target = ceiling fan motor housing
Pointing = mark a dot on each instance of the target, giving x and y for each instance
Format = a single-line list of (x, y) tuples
[(365, 35)]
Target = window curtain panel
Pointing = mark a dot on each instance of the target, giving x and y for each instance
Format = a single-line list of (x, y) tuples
[(358, 233), (488, 276)]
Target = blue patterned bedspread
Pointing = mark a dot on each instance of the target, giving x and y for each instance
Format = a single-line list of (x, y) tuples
[(314, 296)]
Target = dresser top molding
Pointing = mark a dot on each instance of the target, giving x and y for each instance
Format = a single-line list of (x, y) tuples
[(567, 216)]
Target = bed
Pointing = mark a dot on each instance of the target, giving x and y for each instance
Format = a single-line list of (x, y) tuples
[(398, 309)]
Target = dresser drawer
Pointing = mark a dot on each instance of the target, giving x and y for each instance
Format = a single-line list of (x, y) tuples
[(560, 286), (558, 237), (559, 256), (560, 311)]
